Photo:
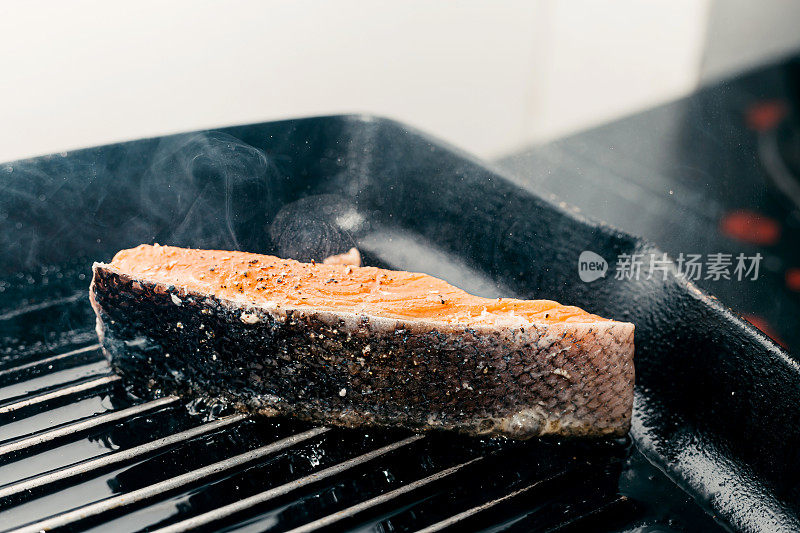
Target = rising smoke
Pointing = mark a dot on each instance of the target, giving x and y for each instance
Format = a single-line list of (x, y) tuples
[(211, 190)]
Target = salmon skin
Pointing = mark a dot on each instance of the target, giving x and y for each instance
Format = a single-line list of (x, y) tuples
[(354, 346)]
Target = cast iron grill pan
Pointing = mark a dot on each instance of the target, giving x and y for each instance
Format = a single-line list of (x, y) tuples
[(79, 452)]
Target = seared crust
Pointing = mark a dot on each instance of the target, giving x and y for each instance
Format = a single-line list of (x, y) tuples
[(572, 379)]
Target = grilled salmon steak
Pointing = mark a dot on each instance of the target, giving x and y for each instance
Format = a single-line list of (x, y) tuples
[(353, 346)]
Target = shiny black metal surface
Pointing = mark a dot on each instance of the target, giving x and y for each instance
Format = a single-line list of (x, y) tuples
[(407, 202)]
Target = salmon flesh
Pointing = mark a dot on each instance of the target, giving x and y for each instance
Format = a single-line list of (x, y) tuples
[(353, 346)]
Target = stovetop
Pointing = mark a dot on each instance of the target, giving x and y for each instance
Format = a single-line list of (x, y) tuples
[(717, 172)]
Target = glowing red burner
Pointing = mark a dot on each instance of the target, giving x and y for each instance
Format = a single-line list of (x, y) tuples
[(764, 116), (764, 326), (793, 279), (750, 227)]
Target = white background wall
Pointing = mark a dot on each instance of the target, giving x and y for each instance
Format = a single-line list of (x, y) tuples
[(487, 76), (742, 33)]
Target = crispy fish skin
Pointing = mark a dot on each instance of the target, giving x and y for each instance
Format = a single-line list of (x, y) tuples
[(346, 369)]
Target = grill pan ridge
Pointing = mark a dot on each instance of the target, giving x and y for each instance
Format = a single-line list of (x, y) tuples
[(715, 405)]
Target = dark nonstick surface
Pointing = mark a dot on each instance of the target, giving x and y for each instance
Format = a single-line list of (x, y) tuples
[(716, 405)]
